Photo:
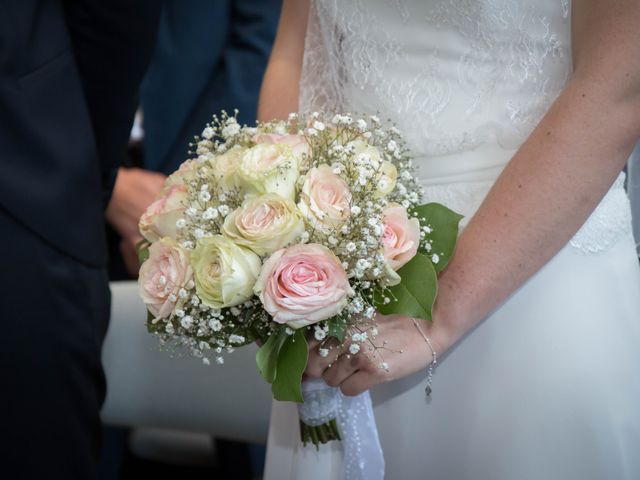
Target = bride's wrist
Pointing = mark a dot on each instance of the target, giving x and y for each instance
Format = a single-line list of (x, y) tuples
[(445, 329), (453, 311)]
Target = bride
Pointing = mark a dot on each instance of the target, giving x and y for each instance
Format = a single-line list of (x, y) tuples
[(521, 115)]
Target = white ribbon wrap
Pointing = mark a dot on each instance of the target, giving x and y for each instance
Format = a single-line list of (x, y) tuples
[(363, 459)]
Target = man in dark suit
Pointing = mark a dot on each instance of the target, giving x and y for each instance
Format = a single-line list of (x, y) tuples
[(69, 73), (210, 55)]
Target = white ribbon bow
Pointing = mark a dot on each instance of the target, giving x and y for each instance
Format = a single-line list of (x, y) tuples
[(363, 459)]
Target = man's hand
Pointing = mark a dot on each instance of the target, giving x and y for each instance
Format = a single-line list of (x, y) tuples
[(134, 191)]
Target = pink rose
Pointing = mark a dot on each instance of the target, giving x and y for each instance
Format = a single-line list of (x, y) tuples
[(303, 284), (187, 171), (325, 198), (159, 220), (401, 236), (297, 143), (162, 275)]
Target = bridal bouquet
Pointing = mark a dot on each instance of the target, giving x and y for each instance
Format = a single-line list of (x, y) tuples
[(289, 231)]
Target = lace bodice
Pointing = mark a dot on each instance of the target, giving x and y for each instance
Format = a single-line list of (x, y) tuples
[(453, 74), (466, 81)]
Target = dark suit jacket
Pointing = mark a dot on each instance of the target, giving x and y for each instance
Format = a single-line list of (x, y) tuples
[(69, 73), (210, 55)]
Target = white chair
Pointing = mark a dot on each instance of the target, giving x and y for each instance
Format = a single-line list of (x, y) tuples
[(148, 388)]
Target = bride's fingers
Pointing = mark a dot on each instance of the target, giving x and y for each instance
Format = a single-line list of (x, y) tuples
[(340, 370), (359, 382), (318, 363)]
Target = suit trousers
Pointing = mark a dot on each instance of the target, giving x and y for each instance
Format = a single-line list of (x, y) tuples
[(54, 312)]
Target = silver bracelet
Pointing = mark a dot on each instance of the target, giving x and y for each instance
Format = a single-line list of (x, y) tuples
[(434, 359)]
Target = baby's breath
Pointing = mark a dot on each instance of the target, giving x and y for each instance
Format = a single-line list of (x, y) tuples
[(359, 150)]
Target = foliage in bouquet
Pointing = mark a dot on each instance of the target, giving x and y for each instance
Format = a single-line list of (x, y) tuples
[(291, 230)]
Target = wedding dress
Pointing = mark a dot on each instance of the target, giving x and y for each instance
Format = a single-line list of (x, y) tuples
[(548, 386)]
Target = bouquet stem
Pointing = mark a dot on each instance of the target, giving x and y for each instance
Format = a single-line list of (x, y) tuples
[(319, 434)]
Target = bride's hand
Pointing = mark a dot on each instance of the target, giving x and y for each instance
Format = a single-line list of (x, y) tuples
[(398, 350)]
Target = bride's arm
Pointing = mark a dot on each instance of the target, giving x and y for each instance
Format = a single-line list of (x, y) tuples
[(557, 177), (543, 196), (279, 92)]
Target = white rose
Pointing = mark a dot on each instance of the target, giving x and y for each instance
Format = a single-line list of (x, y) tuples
[(225, 166), (269, 168), (264, 224), (298, 143), (387, 174), (364, 149), (224, 272), (386, 179)]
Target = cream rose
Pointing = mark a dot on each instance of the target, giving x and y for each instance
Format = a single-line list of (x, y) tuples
[(365, 150), (264, 224), (162, 275), (298, 143), (387, 173), (225, 166), (401, 236), (303, 284), (325, 198), (159, 220), (225, 273), (386, 179), (269, 168)]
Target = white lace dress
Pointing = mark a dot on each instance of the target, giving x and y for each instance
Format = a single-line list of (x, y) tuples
[(548, 386)]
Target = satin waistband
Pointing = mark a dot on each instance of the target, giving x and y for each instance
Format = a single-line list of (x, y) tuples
[(481, 164), (610, 219)]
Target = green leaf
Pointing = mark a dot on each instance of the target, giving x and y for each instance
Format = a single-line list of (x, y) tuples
[(444, 223), (337, 327), (415, 294), (152, 327), (245, 327), (291, 364), (267, 356), (142, 250)]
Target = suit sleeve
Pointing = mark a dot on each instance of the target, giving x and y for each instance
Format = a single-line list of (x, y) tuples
[(112, 42)]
